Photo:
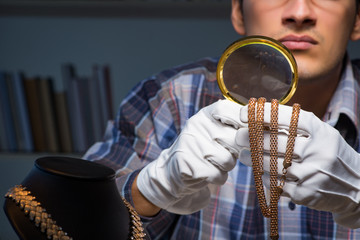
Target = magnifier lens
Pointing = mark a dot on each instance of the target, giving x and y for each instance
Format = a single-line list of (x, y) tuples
[(257, 67)]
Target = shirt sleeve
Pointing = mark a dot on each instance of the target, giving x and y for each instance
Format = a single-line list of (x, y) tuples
[(149, 120)]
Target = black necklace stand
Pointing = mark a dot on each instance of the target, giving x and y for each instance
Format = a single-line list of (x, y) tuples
[(81, 196)]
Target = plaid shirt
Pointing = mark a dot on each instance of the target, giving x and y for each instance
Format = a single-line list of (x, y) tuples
[(152, 116)]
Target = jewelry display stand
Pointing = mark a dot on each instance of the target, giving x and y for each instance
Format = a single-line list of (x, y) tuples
[(80, 197)]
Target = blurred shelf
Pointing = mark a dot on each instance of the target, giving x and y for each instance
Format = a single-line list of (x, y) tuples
[(118, 8)]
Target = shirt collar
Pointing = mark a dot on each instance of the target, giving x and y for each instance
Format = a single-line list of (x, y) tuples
[(344, 104), (345, 98)]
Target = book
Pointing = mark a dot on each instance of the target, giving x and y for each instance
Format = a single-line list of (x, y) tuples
[(89, 101), (77, 96), (63, 124), (47, 112), (105, 95), (68, 75), (96, 113), (78, 115), (20, 112), (9, 143), (3, 139), (108, 88), (36, 120)]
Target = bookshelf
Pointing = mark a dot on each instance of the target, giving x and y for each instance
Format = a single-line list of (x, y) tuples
[(55, 35), (35, 118)]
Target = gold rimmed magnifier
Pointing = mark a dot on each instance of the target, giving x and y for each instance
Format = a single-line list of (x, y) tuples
[(257, 66)]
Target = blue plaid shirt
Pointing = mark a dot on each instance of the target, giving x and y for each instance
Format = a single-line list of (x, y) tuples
[(152, 116)]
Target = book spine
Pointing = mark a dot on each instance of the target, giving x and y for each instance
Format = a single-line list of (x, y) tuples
[(68, 77), (63, 124), (76, 113), (97, 121), (21, 113), (7, 115), (37, 125), (47, 105), (104, 99)]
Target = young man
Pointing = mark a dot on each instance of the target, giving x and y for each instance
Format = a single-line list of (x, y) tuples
[(181, 155)]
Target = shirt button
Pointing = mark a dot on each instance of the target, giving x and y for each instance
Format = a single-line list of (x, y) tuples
[(292, 206)]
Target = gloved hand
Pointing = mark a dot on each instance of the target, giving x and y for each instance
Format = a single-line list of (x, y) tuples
[(325, 170), (203, 153)]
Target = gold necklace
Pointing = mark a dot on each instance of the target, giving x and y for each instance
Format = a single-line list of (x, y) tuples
[(36, 213), (256, 137), (43, 220)]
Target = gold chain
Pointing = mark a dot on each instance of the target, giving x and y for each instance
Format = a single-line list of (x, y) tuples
[(290, 144), (256, 137), (274, 195)]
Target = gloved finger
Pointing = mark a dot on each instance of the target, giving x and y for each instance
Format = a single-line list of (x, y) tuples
[(227, 112), (244, 114), (245, 157), (223, 138), (266, 164), (197, 172), (266, 180), (208, 159), (305, 119), (242, 140), (301, 183), (310, 173), (204, 130), (297, 193), (284, 118), (267, 113), (311, 194), (301, 141), (300, 172), (221, 157), (282, 145)]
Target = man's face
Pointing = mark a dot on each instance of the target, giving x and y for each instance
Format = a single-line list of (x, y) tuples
[(316, 31)]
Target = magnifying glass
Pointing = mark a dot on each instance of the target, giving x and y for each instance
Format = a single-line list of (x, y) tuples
[(257, 66)]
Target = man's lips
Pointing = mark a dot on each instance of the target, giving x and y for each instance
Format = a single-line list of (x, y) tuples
[(298, 42)]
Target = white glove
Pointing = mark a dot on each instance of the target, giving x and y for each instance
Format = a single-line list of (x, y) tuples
[(203, 153), (325, 171)]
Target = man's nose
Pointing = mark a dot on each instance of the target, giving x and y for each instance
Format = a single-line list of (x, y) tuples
[(299, 13)]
